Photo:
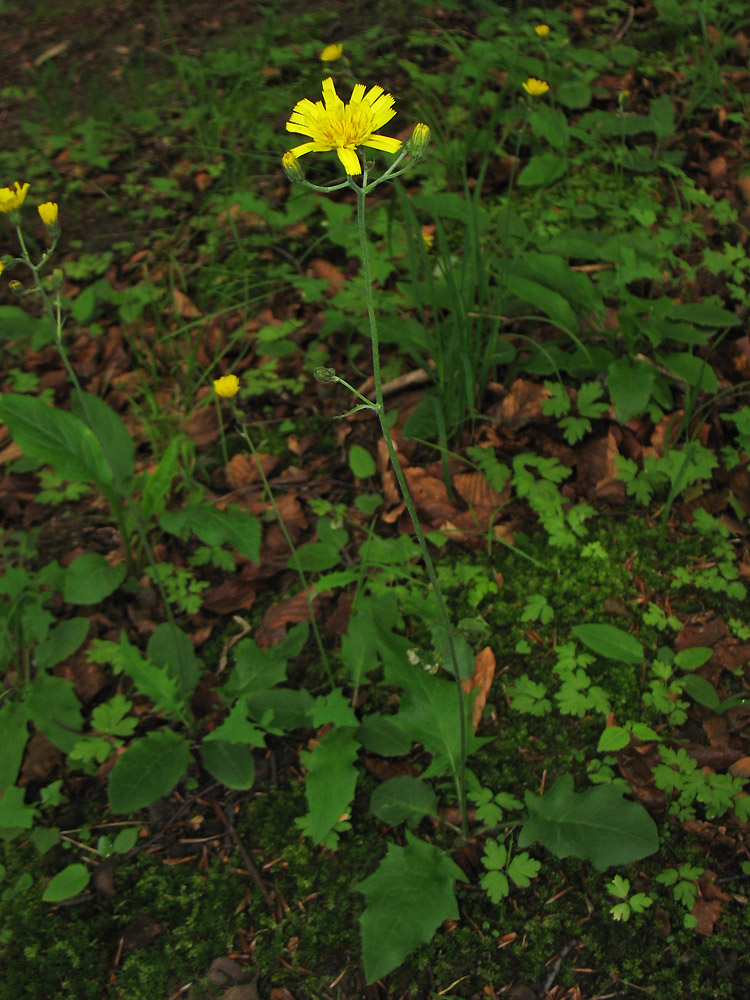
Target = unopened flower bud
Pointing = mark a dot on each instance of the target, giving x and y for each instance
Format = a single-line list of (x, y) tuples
[(292, 168), (325, 374), (48, 213), (420, 138), (57, 278)]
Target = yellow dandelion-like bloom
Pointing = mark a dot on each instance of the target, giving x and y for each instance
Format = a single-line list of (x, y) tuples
[(227, 386), (10, 199), (331, 53), (333, 125), (542, 30), (48, 213), (2, 267), (534, 87), (428, 239)]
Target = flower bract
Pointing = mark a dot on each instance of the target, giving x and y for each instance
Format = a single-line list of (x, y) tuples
[(331, 53), (343, 128), (542, 30), (48, 213), (227, 386), (534, 87), (10, 199)]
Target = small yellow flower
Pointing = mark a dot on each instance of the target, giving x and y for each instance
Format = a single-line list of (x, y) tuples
[(2, 267), (542, 30), (227, 386), (428, 239), (48, 213), (292, 168), (534, 87), (331, 53), (333, 125), (10, 199)]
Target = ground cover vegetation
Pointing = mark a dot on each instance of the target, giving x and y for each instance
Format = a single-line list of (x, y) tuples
[(374, 440)]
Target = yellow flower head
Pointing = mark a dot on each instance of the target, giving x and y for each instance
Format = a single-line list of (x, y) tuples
[(542, 30), (534, 87), (10, 199), (331, 53), (333, 125), (227, 386), (2, 267), (48, 213)]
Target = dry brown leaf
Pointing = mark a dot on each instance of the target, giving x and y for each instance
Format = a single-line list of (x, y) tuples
[(484, 672), (272, 629), (522, 401), (740, 768), (242, 470), (477, 492), (707, 913), (184, 306), (329, 272)]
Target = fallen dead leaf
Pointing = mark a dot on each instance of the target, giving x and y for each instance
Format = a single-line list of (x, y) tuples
[(707, 913), (484, 672), (522, 402)]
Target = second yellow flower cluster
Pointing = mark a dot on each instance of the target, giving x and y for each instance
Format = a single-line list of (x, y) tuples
[(11, 200)]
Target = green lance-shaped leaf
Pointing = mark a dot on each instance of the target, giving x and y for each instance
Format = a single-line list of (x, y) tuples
[(598, 825), (611, 642), (409, 895), (57, 438), (67, 883), (149, 769), (331, 780)]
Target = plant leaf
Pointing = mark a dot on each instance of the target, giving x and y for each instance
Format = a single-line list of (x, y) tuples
[(148, 769), (404, 798), (598, 825), (57, 438), (611, 642), (67, 883), (408, 896)]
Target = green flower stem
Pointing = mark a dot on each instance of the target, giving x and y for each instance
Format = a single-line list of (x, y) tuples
[(54, 311), (245, 434), (460, 775)]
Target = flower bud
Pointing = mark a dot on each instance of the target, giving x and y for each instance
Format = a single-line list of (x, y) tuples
[(420, 138), (16, 287), (325, 374), (48, 213), (331, 53), (292, 168)]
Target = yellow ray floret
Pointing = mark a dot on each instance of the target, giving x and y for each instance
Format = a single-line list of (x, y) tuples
[(10, 200), (333, 125)]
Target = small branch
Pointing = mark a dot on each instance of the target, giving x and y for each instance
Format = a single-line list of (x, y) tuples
[(245, 856)]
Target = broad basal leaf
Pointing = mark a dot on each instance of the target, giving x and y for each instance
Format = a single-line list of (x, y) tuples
[(408, 897), (149, 769), (598, 825)]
